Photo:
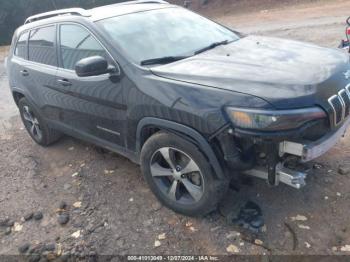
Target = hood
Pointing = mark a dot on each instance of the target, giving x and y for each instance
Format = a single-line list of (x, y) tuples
[(270, 68)]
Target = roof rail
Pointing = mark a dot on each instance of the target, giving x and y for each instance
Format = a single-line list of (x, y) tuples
[(146, 2), (143, 2), (71, 11)]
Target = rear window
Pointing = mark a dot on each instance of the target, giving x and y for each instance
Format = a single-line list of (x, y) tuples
[(41, 45), (21, 47)]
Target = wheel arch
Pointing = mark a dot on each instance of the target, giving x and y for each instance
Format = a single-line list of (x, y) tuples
[(150, 125), (17, 96)]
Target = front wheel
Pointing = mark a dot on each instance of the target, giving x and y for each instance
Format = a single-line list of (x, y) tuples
[(180, 176)]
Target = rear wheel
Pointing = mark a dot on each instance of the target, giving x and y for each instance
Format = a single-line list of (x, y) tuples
[(180, 176), (35, 125)]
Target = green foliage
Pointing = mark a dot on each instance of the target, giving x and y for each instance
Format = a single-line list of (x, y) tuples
[(14, 12)]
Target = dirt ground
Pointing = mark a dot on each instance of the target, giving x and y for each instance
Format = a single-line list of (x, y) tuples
[(111, 210)]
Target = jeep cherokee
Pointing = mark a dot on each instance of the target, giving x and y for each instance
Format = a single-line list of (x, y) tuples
[(191, 101)]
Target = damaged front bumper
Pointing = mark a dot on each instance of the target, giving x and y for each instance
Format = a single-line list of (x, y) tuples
[(312, 150), (305, 151)]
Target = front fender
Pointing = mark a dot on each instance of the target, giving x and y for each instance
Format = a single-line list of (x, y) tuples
[(184, 131)]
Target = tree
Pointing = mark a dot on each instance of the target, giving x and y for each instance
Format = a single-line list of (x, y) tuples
[(14, 12)]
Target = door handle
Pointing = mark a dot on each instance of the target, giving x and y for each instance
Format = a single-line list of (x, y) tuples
[(24, 72), (64, 82)]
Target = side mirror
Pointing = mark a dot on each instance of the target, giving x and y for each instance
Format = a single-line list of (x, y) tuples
[(93, 66)]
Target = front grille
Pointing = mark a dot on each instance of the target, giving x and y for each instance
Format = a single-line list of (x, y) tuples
[(346, 100), (341, 105)]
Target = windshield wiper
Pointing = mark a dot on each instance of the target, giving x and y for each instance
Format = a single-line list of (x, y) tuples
[(213, 45), (162, 60)]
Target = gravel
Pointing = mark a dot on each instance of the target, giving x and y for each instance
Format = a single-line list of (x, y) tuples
[(63, 219), (23, 248), (4, 222), (28, 216), (50, 247), (8, 231), (62, 205), (344, 170), (38, 215)]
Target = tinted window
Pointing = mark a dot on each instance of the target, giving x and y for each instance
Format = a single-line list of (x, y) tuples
[(41, 45), (77, 43), (21, 48)]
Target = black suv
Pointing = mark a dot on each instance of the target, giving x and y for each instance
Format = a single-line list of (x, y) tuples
[(193, 102)]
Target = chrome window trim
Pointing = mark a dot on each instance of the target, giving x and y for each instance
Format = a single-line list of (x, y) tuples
[(41, 64)]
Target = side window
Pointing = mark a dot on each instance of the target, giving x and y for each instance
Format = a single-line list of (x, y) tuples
[(21, 47), (41, 45), (77, 43)]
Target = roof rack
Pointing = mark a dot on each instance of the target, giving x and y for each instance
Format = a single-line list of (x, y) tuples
[(133, 2), (69, 11), (83, 12), (144, 2)]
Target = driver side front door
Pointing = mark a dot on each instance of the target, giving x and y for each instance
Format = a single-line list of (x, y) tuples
[(92, 107)]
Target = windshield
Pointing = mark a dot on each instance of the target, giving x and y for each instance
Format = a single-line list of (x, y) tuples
[(168, 32)]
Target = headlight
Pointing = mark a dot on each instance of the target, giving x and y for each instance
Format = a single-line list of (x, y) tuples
[(273, 120)]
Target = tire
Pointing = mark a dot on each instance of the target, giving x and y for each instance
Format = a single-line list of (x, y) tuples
[(194, 193), (35, 124)]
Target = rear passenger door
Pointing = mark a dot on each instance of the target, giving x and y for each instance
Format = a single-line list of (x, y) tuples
[(91, 106), (39, 71)]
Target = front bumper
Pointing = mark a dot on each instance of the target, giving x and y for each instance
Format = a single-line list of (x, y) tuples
[(306, 152), (312, 150)]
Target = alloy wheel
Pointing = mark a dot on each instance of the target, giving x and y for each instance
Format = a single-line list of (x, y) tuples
[(32, 123), (177, 175)]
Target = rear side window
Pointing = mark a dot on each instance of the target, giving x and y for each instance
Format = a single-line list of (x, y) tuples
[(77, 43), (21, 47), (41, 46)]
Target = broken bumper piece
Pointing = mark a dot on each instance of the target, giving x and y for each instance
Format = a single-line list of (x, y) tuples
[(312, 150), (283, 175)]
